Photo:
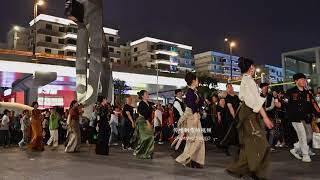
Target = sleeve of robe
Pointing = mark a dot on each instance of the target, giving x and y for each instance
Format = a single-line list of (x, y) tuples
[(249, 94)]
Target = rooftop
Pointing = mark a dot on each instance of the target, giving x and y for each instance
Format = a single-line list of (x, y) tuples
[(305, 55), (214, 53), (149, 39), (66, 22)]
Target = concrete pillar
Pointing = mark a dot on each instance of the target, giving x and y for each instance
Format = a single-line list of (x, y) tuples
[(99, 78), (31, 95)]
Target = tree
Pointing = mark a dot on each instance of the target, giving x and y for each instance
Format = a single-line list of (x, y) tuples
[(120, 90), (207, 86)]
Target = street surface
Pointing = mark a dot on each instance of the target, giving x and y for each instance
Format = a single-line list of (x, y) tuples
[(122, 165)]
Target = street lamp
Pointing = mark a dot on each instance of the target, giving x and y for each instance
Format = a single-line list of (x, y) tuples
[(231, 44), (35, 14), (16, 28), (15, 36), (157, 81), (258, 70)]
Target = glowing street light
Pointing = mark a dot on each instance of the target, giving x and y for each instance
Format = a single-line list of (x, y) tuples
[(258, 70), (231, 45), (16, 28), (40, 3), (35, 14)]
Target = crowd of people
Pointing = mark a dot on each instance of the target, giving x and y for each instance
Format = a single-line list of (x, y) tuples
[(257, 121)]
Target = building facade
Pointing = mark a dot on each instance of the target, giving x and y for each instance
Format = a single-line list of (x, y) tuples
[(57, 36), (163, 55), (217, 64), (275, 74), (305, 61)]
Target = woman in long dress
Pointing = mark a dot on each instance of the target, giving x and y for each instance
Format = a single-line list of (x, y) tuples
[(104, 130), (254, 148), (74, 137), (190, 127), (144, 131), (36, 128)]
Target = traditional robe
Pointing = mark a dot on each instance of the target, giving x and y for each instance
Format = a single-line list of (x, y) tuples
[(36, 130)]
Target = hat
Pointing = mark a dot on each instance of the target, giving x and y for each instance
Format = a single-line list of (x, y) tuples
[(264, 84), (299, 76)]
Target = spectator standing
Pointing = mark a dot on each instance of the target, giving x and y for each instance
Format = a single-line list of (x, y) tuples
[(53, 127), (5, 128), (25, 128)]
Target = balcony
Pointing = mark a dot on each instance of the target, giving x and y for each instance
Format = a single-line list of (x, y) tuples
[(166, 52), (50, 45), (50, 33), (114, 44), (114, 55)]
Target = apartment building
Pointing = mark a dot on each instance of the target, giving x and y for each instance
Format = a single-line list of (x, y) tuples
[(58, 36), (165, 55), (217, 64)]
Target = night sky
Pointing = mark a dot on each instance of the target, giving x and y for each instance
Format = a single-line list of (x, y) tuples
[(263, 29)]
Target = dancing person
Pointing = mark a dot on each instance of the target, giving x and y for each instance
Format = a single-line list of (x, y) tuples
[(74, 136), (178, 109), (53, 127), (128, 124), (254, 148), (114, 123), (4, 128), (144, 131), (92, 126), (299, 111), (103, 128), (269, 107), (279, 119), (36, 126), (25, 127), (194, 151), (158, 124)]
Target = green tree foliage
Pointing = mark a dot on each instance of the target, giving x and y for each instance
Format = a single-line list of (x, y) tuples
[(207, 86), (120, 90)]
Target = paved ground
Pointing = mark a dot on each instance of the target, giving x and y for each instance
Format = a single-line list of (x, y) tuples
[(57, 165)]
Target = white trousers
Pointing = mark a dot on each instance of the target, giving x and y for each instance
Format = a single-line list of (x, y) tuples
[(304, 133), (53, 138)]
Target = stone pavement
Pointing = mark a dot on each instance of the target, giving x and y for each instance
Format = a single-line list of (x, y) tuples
[(121, 165)]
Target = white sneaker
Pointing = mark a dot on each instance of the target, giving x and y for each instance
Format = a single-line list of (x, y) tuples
[(295, 154), (311, 153), (306, 158), (130, 149)]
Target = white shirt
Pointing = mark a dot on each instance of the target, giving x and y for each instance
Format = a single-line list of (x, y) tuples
[(249, 93), (114, 119), (157, 115), (177, 105), (5, 122), (25, 122)]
